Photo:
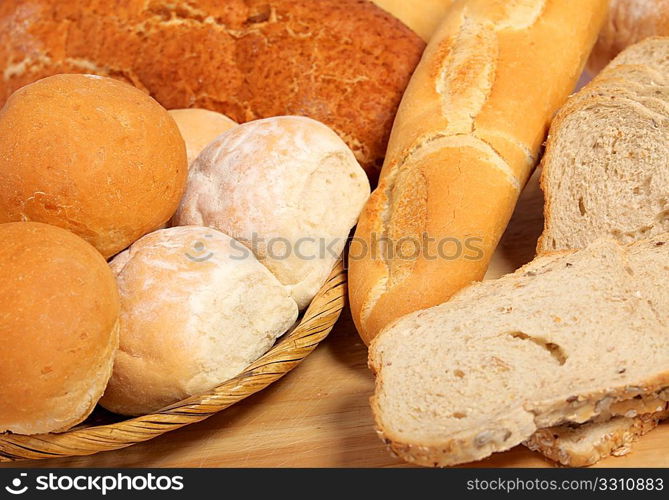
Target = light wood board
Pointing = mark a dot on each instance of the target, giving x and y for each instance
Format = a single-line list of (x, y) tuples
[(318, 415)]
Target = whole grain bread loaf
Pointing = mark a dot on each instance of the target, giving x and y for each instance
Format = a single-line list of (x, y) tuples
[(606, 167), (343, 62), (552, 344), (629, 22)]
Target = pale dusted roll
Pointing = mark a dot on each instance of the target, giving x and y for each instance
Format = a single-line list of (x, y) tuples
[(199, 127), (196, 309), (289, 188), (92, 155), (59, 310)]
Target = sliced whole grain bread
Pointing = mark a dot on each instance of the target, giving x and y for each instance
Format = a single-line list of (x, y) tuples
[(587, 444), (554, 343), (606, 166), (606, 173)]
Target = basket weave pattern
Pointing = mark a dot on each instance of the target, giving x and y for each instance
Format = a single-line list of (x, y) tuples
[(88, 438)]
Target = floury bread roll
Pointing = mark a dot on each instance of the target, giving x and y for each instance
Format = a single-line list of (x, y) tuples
[(59, 310), (422, 16), (196, 309), (465, 140), (92, 155), (289, 188), (199, 127)]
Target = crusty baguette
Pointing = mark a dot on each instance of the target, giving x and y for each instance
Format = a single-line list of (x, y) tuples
[(465, 140), (557, 342), (629, 22), (345, 63), (587, 444), (422, 16)]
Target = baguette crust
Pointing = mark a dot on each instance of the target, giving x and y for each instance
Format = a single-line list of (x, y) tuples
[(482, 97), (345, 63)]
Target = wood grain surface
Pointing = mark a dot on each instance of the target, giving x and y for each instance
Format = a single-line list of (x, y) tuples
[(318, 415)]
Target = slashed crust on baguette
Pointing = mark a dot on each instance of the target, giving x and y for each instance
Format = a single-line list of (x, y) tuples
[(465, 140)]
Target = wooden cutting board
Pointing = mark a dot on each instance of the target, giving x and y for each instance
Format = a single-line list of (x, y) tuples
[(318, 415)]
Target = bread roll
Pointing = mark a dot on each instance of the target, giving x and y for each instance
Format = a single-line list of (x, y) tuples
[(196, 309), (287, 187), (199, 127), (422, 16), (629, 22), (92, 155), (466, 138), (59, 310), (343, 62)]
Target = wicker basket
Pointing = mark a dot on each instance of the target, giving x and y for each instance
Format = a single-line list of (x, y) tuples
[(104, 432)]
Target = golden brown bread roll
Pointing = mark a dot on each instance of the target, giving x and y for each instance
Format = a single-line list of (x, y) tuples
[(59, 310), (343, 62), (466, 138), (92, 155), (199, 127), (629, 22)]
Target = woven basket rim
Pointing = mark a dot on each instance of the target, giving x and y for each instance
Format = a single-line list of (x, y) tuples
[(313, 327)]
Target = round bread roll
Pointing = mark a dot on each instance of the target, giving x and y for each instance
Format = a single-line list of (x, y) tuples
[(59, 310), (196, 309), (287, 187), (199, 127), (92, 155)]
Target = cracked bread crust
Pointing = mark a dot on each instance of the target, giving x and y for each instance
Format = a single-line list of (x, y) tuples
[(343, 62), (465, 140)]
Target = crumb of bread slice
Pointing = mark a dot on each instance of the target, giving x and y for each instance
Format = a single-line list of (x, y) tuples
[(557, 342)]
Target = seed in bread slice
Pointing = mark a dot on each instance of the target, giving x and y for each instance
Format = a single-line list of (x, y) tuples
[(606, 167), (557, 342), (587, 444)]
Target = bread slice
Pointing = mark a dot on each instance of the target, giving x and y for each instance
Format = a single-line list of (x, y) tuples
[(587, 444), (606, 173), (606, 166), (556, 342)]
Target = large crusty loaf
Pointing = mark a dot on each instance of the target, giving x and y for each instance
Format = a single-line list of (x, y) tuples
[(606, 167), (587, 444), (92, 155), (343, 62), (629, 22), (422, 16), (557, 342), (287, 187), (465, 140), (194, 313), (59, 317)]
